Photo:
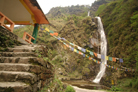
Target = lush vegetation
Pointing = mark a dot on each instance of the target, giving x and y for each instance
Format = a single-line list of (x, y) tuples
[(55, 86), (69, 89), (121, 27), (6, 42), (58, 12)]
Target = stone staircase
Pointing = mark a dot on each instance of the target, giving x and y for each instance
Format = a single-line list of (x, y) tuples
[(22, 71)]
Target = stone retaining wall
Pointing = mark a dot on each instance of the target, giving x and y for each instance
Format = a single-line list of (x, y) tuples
[(8, 33)]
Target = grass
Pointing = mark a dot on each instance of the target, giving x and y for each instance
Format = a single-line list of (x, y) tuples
[(69, 89)]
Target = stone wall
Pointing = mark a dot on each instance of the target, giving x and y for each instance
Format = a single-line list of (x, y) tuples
[(8, 33)]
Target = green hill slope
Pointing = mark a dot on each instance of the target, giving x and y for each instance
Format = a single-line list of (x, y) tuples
[(120, 20)]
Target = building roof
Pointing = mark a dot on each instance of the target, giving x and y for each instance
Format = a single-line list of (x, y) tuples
[(23, 12)]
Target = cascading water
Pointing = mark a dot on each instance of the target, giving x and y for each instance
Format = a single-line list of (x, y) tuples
[(103, 51), (88, 13)]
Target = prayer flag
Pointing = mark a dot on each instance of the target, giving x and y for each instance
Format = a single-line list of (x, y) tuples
[(106, 57), (71, 44), (75, 50), (67, 45), (58, 38), (83, 55), (91, 53), (63, 39), (51, 31), (72, 49), (95, 54), (121, 60), (79, 52), (47, 29), (114, 59), (87, 50), (82, 49), (110, 58), (56, 34), (102, 57), (51, 34), (79, 48), (60, 41), (89, 58), (75, 45), (99, 55)]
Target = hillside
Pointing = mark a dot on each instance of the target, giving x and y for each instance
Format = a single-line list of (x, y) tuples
[(63, 12), (94, 7), (119, 18), (120, 23)]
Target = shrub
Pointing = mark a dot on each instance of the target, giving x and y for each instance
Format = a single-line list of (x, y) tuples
[(69, 89)]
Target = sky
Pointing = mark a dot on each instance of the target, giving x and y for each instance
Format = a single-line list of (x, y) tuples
[(46, 5)]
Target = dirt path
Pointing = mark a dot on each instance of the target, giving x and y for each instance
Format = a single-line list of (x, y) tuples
[(85, 90)]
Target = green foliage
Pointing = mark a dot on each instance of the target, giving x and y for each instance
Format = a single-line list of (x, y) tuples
[(54, 86), (79, 10), (134, 20), (133, 83), (120, 22), (100, 9), (7, 42), (136, 60), (69, 89), (113, 88)]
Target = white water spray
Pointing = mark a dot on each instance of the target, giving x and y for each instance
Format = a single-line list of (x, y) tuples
[(88, 13), (103, 51)]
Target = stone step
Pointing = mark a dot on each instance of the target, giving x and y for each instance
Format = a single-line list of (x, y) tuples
[(18, 54), (10, 76), (21, 50), (24, 60), (15, 67), (14, 87), (28, 46), (23, 68)]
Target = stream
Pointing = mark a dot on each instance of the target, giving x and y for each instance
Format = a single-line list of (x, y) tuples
[(86, 85)]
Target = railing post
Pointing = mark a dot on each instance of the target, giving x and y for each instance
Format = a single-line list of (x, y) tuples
[(24, 36), (29, 39), (3, 18)]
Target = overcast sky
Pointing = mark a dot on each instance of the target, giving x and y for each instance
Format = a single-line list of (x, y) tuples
[(46, 5)]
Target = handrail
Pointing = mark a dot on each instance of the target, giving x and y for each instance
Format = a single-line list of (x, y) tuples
[(28, 39), (3, 18)]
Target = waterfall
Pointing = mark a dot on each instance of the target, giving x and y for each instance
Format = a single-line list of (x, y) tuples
[(103, 51), (88, 13)]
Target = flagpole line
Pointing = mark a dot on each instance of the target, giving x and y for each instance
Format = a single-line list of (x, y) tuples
[(126, 69), (86, 50)]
